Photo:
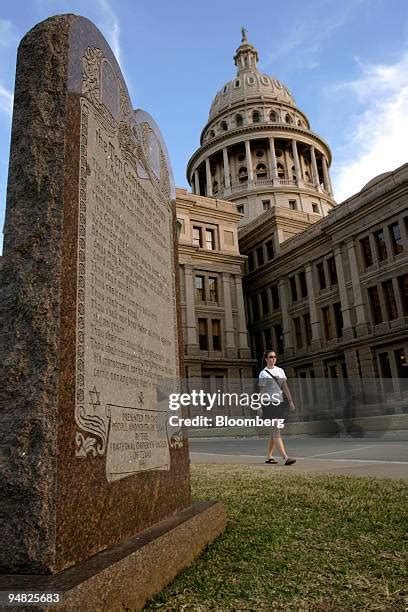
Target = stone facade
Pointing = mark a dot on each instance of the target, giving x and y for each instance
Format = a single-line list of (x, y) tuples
[(333, 300), (212, 304)]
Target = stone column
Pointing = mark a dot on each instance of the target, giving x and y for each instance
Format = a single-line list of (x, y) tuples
[(348, 333), (208, 177), (315, 172), (287, 332), (373, 248), (359, 305), (398, 298), (326, 178), (229, 322), (298, 172), (226, 168), (274, 165), (244, 350), (314, 317), (191, 325), (403, 229), (249, 161), (196, 183)]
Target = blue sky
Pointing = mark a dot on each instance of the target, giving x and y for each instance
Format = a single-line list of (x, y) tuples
[(345, 61)]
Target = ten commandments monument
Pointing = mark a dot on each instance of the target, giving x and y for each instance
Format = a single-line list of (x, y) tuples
[(95, 489)]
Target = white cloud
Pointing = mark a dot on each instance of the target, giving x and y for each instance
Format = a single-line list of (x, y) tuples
[(6, 100), (379, 140)]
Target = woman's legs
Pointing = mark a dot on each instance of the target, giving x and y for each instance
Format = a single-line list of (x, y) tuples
[(271, 446), (277, 439)]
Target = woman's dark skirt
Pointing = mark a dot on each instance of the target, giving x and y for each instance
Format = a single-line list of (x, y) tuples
[(272, 411)]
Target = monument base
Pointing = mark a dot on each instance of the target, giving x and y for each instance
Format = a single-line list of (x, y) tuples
[(125, 576)]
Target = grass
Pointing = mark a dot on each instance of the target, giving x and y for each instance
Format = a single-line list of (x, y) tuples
[(296, 542)]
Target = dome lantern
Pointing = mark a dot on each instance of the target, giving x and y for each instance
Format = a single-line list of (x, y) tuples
[(246, 56)]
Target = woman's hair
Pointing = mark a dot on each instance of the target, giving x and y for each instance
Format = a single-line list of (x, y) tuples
[(266, 353)]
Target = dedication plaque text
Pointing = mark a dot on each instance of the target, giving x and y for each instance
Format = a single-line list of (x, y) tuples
[(126, 307)]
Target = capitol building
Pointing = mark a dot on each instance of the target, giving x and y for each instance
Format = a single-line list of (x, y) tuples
[(268, 260)]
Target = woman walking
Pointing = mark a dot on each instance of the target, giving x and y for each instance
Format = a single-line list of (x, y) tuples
[(275, 381)]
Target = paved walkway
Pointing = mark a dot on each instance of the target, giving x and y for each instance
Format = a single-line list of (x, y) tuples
[(380, 457)]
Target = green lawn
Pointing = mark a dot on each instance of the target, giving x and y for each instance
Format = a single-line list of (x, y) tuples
[(296, 542)]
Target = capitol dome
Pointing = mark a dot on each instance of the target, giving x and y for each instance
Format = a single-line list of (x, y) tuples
[(249, 82), (257, 148)]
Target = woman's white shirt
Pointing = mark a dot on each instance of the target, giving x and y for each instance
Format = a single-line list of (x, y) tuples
[(272, 386)]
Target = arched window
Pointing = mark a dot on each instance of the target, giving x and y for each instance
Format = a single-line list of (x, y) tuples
[(243, 174), (241, 157), (288, 118), (293, 173), (215, 187), (273, 116), (239, 120), (260, 171), (281, 171), (256, 118), (223, 126)]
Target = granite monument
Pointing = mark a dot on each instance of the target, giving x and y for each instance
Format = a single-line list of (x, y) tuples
[(95, 488)]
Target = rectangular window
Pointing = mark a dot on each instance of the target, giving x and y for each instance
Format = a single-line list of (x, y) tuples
[(197, 237), (279, 338), (275, 297), (266, 204), (401, 363), (321, 275), (260, 256), (270, 251), (298, 332), (199, 289), (303, 284), (202, 334), (308, 328), (331, 264), (213, 289), (338, 319), (385, 369), (396, 239), (366, 251), (375, 305), (265, 304), (327, 323), (403, 287), (250, 262), (209, 239), (240, 209), (255, 308), (293, 204), (268, 338), (293, 290), (216, 334), (390, 302), (381, 246), (315, 207)]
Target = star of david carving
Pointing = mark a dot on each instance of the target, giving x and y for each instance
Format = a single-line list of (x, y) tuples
[(95, 398)]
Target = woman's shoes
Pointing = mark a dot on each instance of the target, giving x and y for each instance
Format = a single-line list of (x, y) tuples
[(290, 461), (272, 460)]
